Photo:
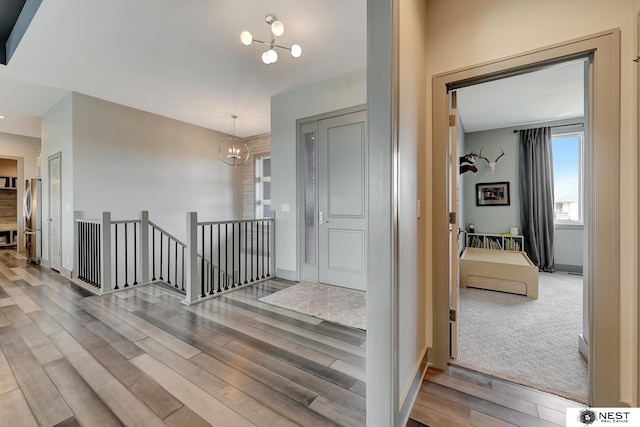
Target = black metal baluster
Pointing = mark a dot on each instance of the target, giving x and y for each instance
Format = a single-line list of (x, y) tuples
[(183, 269), (153, 252), (168, 259), (219, 250), (226, 257), (239, 254), (135, 253), (253, 251), (126, 257), (211, 272), (99, 263), (175, 266), (246, 248), (202, 276), (93, 256), (268, 247), (161, 236), (262, 249), (233, 255), (116, 252), (81, 253)]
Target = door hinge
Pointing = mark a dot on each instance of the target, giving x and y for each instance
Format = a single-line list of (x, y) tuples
[(452, 217), (452, 315), (452, 120)]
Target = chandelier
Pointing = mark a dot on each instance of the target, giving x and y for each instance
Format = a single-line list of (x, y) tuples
[(233, 150), (277, 29)]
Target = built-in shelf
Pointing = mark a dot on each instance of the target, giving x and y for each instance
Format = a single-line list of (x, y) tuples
[(505, 242)]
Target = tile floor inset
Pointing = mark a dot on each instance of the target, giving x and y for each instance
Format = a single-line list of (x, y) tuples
[(345, 306)]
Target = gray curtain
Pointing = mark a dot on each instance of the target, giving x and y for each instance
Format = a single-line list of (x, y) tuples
[(536, 196)]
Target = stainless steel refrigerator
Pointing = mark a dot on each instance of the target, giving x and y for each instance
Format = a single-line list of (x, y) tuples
[(33, 219)]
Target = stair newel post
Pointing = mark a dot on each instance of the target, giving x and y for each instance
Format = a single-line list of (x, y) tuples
[(143, 249), (105, 255), (191, 264), (77, 264), (272, 246)]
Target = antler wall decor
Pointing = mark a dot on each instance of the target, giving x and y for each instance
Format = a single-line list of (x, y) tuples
[(492, 165)]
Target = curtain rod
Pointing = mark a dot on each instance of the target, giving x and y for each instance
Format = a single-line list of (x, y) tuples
[(558, 126)]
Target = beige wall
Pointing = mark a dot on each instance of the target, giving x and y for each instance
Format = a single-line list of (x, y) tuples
[(491, 29), (412, 331)]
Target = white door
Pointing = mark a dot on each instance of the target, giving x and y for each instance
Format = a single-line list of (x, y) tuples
[(454, 283), (55, 197), (342, 200)]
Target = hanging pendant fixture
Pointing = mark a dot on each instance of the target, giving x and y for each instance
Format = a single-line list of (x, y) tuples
[(233, 150)]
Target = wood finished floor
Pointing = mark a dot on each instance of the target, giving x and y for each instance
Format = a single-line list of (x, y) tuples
[(140, 358), (457, 397)]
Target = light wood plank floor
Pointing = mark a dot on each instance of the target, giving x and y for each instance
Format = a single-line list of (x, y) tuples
[(140, 357), (457, 397)]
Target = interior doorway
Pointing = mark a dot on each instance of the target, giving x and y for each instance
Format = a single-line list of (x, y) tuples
[(332, 172), (547, 327), (9, 206), (602, 204)]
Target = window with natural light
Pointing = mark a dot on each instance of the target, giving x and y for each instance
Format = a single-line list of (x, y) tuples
[(567, 176), (263, 187)]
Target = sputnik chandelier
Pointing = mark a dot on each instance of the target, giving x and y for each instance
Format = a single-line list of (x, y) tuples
[(270, 56), (233, 150)]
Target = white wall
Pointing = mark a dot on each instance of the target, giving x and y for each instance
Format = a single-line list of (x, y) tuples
[(24, 149), (343, 91), (125, 160), (492, 29), (57, 137)]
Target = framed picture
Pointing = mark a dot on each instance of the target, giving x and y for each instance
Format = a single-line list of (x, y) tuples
[(493, 194)]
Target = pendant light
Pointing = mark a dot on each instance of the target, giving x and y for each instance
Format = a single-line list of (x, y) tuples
[(233, 150)]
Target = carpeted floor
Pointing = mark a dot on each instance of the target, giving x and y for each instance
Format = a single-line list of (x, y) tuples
[(340, 305), (529, 342)]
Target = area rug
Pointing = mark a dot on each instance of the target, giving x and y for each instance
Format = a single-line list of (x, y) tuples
[(340, 305), (533, 342)]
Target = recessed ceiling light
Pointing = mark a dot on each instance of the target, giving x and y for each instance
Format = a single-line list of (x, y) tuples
[(1, 117)]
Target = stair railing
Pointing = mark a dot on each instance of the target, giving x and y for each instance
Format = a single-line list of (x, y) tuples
[(218, 256)]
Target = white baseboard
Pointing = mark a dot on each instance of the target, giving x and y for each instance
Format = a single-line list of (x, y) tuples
[(287, 275), (583, 348), (413, 388)]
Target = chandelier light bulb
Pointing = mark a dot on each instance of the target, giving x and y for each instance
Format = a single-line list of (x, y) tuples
[(277, 28), (265, 57), (246, 38), (296, 51)]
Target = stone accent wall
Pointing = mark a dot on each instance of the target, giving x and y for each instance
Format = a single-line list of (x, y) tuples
[(259, 145)]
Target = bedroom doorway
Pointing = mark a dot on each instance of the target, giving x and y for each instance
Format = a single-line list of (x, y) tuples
[(545, 326), (601, 204)]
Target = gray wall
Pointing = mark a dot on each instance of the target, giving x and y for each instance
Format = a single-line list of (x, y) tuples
[(123, 160), (343, 91), (498, 219)]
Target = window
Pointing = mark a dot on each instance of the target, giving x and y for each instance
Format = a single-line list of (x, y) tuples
[(567, 177), (263, 187)]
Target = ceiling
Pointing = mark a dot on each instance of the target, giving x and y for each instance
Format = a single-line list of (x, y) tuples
[(553, 93), (179, 59), (184, 60)]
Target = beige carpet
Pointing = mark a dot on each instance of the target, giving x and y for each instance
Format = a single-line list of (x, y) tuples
[(529, 342), (340, 305)]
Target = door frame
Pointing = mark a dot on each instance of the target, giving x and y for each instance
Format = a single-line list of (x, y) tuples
[(300, 241), (602, 207)]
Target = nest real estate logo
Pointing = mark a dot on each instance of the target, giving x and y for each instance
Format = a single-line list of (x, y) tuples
[(580, 417)]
